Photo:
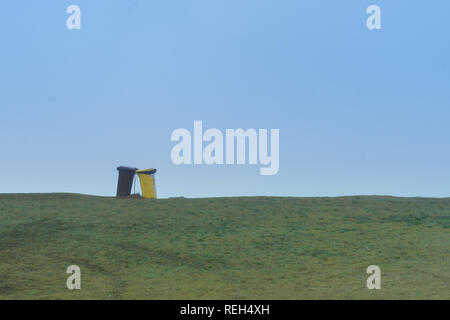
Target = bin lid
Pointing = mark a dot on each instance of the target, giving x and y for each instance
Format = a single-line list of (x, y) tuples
[(146, 171), (122, 168)]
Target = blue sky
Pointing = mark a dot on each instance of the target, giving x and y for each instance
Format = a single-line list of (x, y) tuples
[(359, 111)]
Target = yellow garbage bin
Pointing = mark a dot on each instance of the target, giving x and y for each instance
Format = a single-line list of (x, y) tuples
[(147, 181)]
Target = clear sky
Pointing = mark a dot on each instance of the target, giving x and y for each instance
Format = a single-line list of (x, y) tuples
[(359, 111)]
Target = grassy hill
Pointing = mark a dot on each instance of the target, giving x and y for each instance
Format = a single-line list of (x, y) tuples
[(223, 248)]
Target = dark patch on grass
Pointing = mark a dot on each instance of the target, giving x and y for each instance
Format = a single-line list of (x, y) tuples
[(23, 233)]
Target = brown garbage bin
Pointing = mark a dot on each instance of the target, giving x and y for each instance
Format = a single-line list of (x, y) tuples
[(125, 183)]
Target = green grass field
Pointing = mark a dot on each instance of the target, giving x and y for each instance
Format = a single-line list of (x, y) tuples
[(223, 248)]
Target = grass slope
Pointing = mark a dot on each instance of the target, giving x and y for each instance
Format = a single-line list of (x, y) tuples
[(223, 248)]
